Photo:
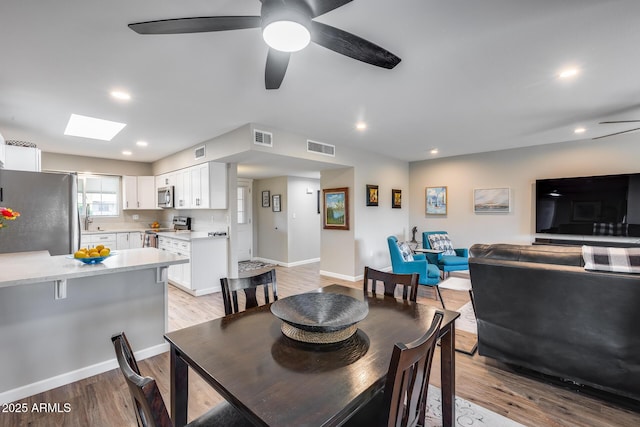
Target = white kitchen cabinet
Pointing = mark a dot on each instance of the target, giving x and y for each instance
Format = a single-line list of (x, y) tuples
[(108, 240), (208, 263), (139, 192), (208, 186), (22, 158), (182, 189), (129, 240), (2, 151)]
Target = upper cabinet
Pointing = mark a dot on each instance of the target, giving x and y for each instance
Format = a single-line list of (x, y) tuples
[(203, 186), (2, 151), (21, 158), (139, 192), (209, 186)]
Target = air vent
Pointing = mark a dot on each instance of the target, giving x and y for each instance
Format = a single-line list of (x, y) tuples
[(263, 138), (321, 148), (200, 152), (16, 143)]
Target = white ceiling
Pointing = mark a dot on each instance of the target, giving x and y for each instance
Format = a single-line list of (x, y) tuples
[(476, 75)]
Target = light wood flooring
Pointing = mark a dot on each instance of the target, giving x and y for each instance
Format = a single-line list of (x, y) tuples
[(103, 400)]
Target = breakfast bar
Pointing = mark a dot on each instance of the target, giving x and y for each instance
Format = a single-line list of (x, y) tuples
[(57, 315)]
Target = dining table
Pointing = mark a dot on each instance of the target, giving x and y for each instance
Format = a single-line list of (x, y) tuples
[(277, 381)]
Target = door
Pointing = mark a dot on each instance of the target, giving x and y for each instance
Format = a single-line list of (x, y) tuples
[(245, 223)]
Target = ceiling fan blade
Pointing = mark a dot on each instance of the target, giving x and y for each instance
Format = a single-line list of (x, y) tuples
[(320, 7), (276, 68), (352, 46), (619, 121), (617, 133), (196, 25)]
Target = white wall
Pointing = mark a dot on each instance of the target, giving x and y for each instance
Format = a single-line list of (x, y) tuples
[(271, 228), (304, 220), (517, 169)]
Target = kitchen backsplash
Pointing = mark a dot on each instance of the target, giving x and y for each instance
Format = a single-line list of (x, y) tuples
[(201, 220)]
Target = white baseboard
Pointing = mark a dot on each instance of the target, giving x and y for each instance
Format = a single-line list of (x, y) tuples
[(339, 276), (73, 376)]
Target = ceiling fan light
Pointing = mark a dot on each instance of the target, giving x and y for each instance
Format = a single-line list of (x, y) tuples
[(286, 36)]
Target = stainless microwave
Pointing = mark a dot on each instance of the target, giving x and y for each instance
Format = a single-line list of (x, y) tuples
[(165, 197)]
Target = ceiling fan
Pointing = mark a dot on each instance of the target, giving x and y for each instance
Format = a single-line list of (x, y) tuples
[(621, 132), (287, 27)]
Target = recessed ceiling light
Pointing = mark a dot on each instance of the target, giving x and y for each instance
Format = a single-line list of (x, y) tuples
[(142, 143), (434, 151), (570, 72), (90, 127), (361, 125), (127, 152), (121, 95), (579, 130)]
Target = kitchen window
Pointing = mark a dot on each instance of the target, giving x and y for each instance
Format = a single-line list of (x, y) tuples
[(98, 195)]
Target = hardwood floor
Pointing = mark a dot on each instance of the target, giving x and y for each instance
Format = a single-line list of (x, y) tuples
[(103, 400)]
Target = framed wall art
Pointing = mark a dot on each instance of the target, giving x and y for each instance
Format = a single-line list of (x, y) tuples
[(372, 195), (336, 208), (276, 203), (490, 200), (436, 200), (396, 199), (266, 199)]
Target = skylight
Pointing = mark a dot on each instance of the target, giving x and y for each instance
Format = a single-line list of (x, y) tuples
[(90, 127)]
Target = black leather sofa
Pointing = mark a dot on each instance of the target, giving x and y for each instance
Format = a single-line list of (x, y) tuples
[(538, 308)]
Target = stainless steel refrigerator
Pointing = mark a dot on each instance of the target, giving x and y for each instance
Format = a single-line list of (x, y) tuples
[(48, 208)]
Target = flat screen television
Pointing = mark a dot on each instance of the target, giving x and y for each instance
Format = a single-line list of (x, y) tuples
[(607, 205)]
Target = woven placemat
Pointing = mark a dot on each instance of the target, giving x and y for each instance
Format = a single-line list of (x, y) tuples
[(318, 337)]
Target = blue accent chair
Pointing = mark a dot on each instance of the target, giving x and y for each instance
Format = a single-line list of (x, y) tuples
[(429, 273), (446, 263)]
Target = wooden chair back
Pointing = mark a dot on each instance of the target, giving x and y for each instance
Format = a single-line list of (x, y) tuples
[(409, 283), (249, 286), (405, 393), (147, 400)]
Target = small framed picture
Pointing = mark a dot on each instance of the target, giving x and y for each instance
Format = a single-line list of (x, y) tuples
[(491, 200), (266, 199), (396, 199), (276, 203), (372, 195), (436, 200), (336, 208)]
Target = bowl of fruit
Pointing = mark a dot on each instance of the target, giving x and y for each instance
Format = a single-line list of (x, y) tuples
[(155, 226), (93, 255)]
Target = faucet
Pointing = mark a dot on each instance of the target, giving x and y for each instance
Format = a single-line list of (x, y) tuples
[(87, 218)]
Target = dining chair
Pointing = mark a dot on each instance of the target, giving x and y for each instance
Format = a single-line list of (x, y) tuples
[(147, 401), (403, 402), (249, 286), (390, 281)]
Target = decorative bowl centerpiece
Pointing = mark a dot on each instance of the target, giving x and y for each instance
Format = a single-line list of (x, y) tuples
[(92, 260), (319, 318)]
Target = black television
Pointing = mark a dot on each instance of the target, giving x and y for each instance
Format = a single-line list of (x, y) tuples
[(607, 205)]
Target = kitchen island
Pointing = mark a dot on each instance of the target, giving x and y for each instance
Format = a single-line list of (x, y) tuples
[(57, 315)]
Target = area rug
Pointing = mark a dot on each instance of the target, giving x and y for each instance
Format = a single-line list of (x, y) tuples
[(467, 413), (467, 320), (244, 266)]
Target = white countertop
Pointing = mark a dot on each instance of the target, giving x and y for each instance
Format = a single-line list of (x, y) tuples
[(142, 230), (35, 267), (189, 235)]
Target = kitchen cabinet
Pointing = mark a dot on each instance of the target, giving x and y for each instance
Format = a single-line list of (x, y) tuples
[(22, 158), (207, 263), (129, 240), (139, 192), (108, 240), (182, 189), (208, 186), (2, 151)]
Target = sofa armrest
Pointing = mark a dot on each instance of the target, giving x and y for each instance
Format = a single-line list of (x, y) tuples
[(419, 257), (408, 267), (463, 252)]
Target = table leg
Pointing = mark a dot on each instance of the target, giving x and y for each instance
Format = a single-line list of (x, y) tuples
[(179, 389), (448, 375)]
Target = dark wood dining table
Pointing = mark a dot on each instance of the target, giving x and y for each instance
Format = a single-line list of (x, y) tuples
[(276, 381)]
